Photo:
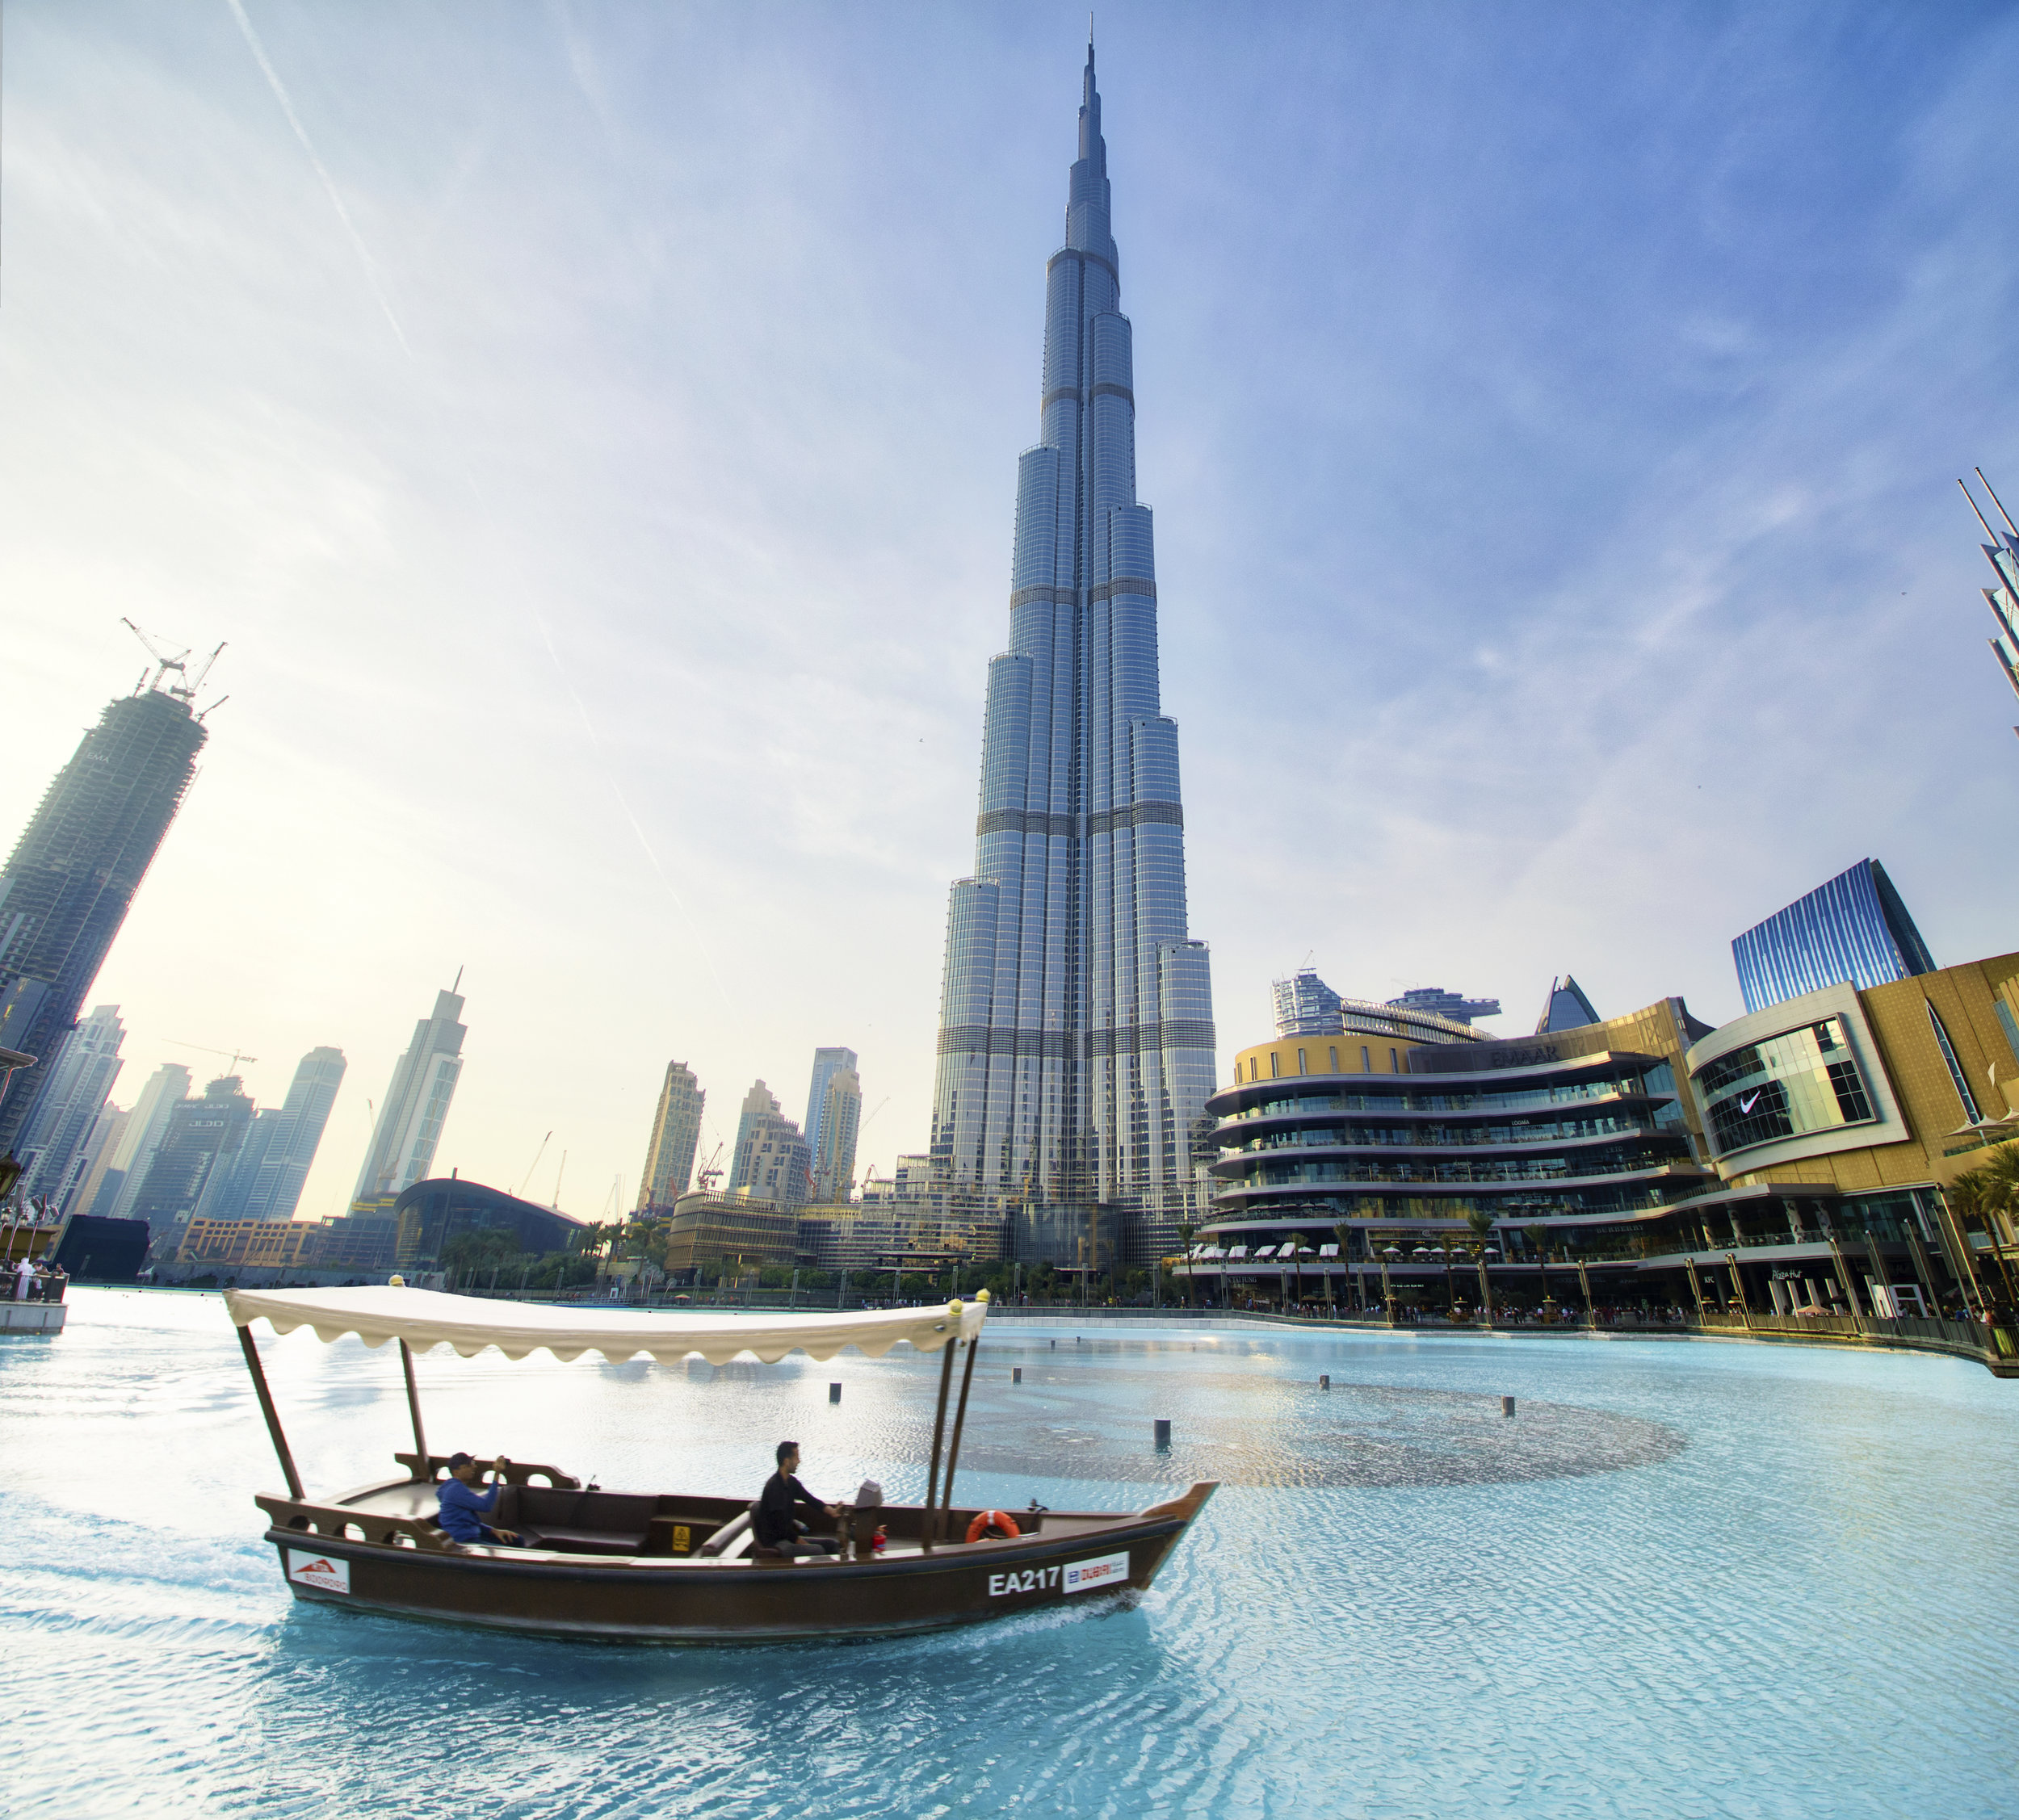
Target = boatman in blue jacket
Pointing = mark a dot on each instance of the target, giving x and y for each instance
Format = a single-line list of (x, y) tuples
[(464, 1508)]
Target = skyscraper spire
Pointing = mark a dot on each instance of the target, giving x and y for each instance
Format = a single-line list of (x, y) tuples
[(1087, 225), (1076, 1043)]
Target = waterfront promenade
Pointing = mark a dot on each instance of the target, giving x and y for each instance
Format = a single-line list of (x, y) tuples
[(1991, 1347), (1994, 1348)]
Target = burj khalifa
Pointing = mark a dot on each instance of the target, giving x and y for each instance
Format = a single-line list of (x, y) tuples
[(1075, 1036)]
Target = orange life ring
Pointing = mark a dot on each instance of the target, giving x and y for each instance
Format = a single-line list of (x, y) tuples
[(1001, 1522)]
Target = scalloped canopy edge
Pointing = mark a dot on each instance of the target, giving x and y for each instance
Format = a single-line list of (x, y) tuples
[(428, 1318)]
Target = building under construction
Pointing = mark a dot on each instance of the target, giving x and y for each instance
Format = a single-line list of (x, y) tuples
[(71, 877)]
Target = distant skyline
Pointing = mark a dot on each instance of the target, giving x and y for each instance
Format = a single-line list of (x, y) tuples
[(1552, 418)]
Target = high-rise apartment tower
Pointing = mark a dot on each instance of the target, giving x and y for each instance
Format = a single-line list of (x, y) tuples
[(94, 1159), (676, 1134), (133, 1156), (841, 1124), (416, 1102), (281, 1149), (192, 1163), (827, 1063), (1075, 1039), (73, 874), (771, 1162), (85, 1064)]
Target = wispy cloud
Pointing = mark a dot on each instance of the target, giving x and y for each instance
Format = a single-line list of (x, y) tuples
[(366, 263)]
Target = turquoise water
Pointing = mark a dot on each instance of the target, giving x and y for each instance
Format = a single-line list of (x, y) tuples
[(1688, 1580)]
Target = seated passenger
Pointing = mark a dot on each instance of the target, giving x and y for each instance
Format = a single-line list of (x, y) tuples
[(462, 1506), (776, 1525)]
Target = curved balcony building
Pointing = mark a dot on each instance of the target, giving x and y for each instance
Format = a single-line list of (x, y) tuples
[(1799, 1160), (1377, 1151), (1570, 1125)]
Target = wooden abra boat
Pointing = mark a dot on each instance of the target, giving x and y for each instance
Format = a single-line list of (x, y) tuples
[(668, 1567)]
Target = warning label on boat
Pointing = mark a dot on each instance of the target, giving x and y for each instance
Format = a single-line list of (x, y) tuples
[(1104, 1570), (320, 1570)]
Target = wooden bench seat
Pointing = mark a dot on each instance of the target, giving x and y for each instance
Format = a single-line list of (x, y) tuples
[(585, 1541)]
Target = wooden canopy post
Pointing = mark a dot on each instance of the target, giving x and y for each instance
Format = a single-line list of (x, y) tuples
[(953, 1447), (423, 1469), (273, 1419), (939, 1427)]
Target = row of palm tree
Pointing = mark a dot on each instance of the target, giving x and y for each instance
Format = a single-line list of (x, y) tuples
[(1989, 1192)]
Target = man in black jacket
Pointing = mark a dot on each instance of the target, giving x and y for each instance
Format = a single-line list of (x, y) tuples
[(777, 1523)]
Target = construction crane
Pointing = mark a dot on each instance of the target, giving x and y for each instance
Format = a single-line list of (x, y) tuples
[(165, 661), (237, 1055), (709, 1174), (527, 1180)]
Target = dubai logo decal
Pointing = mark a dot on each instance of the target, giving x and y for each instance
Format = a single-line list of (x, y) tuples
[(322, 1572)]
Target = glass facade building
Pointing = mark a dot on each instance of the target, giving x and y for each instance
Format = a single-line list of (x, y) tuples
[(1441, 1003), (416, 1103), (1566, 1009), (827, 1063), (280, 1150), (1305, 1005), (840, 1122), (1853, 931), (1805, 1080), (198, 1149), (71, 878), (1076, 1040), (80, 1077), (1803, 1159)]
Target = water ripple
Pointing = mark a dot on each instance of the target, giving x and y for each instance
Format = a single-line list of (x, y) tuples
[(1684, 1580)]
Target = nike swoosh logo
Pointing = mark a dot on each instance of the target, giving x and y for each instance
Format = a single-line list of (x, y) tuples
[(1748, 1104)]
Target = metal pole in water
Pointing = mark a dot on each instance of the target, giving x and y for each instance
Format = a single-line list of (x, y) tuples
[(1507, 1406), (833, 1393), (1016, 1374), (1324, 1381), (1163, 1431)]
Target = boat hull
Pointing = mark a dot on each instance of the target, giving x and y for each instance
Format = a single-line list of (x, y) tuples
[(646, 1598)]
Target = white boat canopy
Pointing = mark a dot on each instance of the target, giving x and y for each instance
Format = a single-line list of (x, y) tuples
[(427, 1318)]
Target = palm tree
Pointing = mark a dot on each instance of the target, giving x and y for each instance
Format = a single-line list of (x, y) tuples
[(2001, 1174), (1538, 1237), (1185, 1229), (1990, 1192), (1344, 1233), (1481, 1222)]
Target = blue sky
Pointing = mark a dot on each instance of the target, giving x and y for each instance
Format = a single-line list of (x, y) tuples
[(1551, 414)]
